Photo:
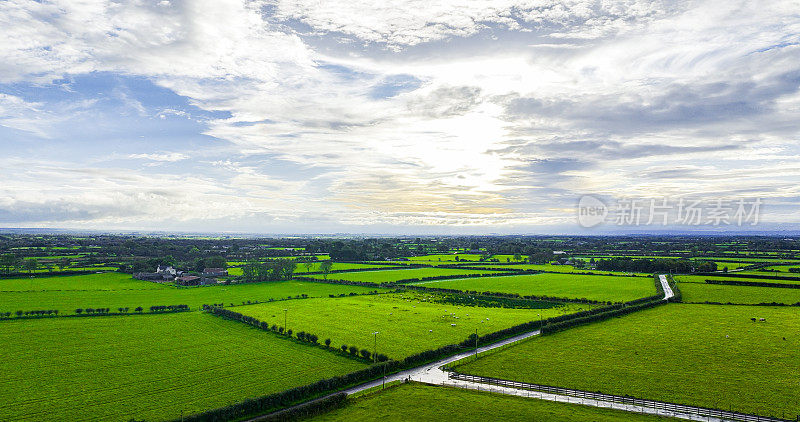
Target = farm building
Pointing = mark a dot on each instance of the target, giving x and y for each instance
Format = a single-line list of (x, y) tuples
[(215, 272)]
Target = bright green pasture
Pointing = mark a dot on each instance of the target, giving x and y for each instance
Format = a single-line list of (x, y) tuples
[(703, 278), (574, 286), (104, 281), (704, 355), (451, 258), (149, 367), (547, 267), (407, 322), (698, 293), (420, 402), (339, 266), (68, 301), (386, 276)]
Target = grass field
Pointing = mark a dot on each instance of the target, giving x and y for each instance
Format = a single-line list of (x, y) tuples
[(149, 367), (407, 323), (697, 293), (703, 278), (546, 267), (339, 266), (104, 281), (402, 274), (672, 353), (594, 287), (450, 258), (67, 301), (418, 402)]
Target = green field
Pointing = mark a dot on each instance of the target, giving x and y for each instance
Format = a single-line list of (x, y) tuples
[(556, 268), (672, 353), (703, 278), (593, 287), (420, 402), (450, 258), (339, 266), (104, 281), (407, 323), (149, 367), (698, 293), (387, 276), (68, 300)]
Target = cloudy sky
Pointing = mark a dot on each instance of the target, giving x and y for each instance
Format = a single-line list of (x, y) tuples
[(404, 116)]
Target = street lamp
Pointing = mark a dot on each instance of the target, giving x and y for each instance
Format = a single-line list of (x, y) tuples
[(375, 348)]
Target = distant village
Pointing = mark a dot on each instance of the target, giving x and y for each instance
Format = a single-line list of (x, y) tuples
[(168, 274)]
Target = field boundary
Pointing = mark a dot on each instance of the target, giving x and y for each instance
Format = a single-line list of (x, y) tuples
[(611, 398)]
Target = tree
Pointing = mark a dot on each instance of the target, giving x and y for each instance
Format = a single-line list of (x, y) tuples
[(8, 261), (30, 265), (517, 257), (327, 342), (344, 348), (63, 263), (325, 268), (353, 350), (79, 311), (216, 261), (139, 309)]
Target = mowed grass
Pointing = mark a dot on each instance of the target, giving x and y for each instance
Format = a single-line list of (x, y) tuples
[(676, 353), (387, 276), (104, 281), (702, 279), (420, 402), (150, 367), (744, 295), (593, 287), (407, 323), (547, 267), (68, 301)]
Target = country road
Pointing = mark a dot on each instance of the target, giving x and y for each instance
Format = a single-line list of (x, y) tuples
[(433, 374)]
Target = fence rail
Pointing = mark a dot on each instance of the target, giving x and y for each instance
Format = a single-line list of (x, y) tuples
[(660, 405)]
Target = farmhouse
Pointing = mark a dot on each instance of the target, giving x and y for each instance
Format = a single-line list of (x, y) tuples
[(215, 272), (193, 280), (165, 269)]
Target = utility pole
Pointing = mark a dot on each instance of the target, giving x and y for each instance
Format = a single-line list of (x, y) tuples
[(375, 348), (476, 343)]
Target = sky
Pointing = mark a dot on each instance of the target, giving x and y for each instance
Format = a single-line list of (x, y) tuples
[(300, 116)]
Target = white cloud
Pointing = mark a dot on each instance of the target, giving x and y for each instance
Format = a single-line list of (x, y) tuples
[(494, 134)]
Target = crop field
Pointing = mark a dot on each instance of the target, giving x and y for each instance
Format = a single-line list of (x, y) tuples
[(593, 287), (743, 295), (149, 367), (69, 300), (671, 353), (407, 323), (388, 276), (415, 402), (104, 281)]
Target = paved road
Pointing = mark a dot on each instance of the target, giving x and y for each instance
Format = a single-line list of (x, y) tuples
[(433, 374)]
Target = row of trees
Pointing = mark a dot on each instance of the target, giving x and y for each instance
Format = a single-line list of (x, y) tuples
[(645, 265), (279, 269)]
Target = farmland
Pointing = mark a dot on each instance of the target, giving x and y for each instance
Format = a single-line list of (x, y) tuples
[(154, 294), (407, 323), (409, 402), (104, 281), (151, 367), (388, 276), (698, 293), (592, 287), (671, 353)]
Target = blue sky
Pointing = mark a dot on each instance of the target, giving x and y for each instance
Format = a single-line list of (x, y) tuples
[(295, 116)]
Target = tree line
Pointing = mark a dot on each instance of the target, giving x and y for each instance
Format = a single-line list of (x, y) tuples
[(646, 265)]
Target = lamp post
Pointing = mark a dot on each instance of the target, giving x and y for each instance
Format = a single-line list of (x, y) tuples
[(375, 348), (540, 321)]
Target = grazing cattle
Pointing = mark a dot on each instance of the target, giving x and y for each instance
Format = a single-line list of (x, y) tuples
[(753, 319), (762, 319)]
